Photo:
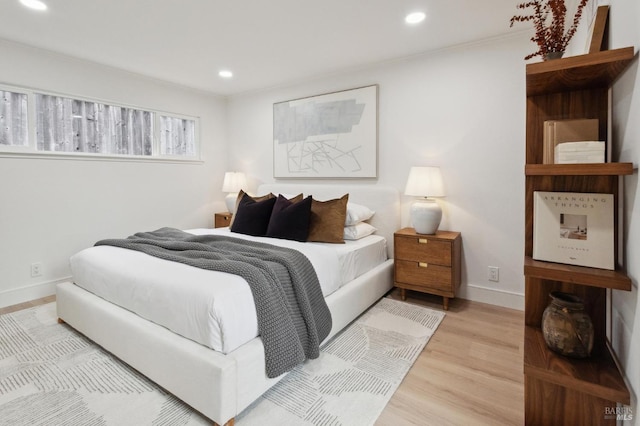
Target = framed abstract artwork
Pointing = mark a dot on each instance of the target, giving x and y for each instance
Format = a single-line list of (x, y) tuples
[(334, 135)]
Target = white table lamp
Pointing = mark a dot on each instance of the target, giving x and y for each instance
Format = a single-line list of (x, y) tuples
[(233, 183), (425, 213)]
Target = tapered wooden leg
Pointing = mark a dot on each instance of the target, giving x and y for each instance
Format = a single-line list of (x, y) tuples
[(403, 294), (231, 422), (60, 321), (445, 303)]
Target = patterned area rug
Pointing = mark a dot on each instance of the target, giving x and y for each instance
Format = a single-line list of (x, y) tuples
[(52, 375)]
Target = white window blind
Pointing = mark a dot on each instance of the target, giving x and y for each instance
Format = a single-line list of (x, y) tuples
[(32, 122), (70, 125), (177, 136), (13, 119)]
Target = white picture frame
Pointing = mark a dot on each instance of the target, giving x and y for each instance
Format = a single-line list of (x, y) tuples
[(574, 228), (334, 135)]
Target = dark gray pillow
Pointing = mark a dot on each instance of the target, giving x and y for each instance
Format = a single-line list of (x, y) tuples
[(252, 217), (290, 220)]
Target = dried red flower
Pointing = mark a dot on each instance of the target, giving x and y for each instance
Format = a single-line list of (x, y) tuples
[(548, 18)]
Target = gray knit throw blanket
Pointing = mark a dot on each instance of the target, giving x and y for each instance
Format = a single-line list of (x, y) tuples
[(293, 317)]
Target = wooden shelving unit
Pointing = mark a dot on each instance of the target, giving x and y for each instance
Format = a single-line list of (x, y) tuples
[(561, 390)]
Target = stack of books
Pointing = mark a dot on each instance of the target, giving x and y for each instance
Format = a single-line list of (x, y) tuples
[(579, 152), (572, 141)]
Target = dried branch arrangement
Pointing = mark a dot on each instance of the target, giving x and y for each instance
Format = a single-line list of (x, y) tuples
[(549, 18)]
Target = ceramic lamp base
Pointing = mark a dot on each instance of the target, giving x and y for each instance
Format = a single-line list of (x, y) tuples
[(425, 216), (230, 200)]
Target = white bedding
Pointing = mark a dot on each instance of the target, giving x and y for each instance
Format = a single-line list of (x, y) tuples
[(212, 308)]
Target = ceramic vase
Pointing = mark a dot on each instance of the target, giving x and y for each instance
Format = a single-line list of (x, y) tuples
[(566, 327), (553, 55)]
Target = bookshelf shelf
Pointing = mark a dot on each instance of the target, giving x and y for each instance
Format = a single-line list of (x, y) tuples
[(576, 274), (557, 387), (577, 72), (597, 376), (598, 169)]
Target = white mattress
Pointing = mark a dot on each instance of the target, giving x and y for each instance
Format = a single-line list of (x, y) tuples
[(213, 308)]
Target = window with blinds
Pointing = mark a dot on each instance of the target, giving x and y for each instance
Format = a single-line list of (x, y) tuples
[(70, 125), (177, 136), (13, 119), (65, 125)]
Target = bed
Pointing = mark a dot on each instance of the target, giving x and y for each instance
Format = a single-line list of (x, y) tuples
[(221, 383)]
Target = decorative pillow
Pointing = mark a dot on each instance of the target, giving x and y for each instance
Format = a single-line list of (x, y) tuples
[(357, 213), (361, 230), (327, 220), (241, 194), (295, 199), (291, 197), (290, 220), (252, 217)]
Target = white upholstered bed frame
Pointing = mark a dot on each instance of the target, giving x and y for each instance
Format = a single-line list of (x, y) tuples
[(217, 385)]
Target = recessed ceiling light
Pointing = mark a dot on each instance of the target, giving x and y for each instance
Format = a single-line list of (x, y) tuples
[(225, 74), (34, 4), (415, 17)]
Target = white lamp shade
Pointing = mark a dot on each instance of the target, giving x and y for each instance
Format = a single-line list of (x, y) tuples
[(234, 182), (425, 182)]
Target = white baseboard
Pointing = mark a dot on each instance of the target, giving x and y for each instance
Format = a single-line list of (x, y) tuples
[(30, 292), (493, 296)]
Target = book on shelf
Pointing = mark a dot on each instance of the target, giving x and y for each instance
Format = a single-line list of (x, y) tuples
[(574, 228), (579, 152), (560, 131)]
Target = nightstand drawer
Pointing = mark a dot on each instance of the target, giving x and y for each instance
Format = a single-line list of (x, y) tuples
[(423, 274), (222, 219), (423, 249)]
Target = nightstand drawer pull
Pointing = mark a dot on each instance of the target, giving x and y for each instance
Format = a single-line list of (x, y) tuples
[(422, 241), (423, 264)]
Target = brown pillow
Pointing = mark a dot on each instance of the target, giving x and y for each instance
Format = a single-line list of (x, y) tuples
[(296, 199), (327, 220)]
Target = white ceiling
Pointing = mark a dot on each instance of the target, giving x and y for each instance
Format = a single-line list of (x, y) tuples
[(264, 42)]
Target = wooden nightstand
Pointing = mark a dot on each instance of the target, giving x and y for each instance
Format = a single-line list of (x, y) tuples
[(427, 263), (220, 220)]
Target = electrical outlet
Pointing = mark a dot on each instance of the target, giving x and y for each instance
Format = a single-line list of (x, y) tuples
[(36, 269), (494, 273)]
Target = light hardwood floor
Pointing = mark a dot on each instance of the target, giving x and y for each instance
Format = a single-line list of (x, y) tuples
[(469, 374), (27, 305)]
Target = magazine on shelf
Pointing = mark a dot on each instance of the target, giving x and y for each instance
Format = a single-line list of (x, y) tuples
[(574, 228)]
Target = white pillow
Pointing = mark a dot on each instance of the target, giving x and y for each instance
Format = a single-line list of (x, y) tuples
[(361, 230), (357, 213)]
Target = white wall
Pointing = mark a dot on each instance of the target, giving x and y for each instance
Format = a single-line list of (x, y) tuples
[(462, 109), (52, 208), (624, 23)]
